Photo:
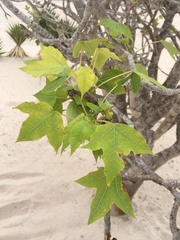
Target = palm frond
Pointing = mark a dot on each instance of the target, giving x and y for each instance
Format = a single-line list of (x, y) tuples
[(1, 47), (16, 33)]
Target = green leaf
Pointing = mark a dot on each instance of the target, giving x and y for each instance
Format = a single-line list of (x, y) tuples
[(59, 96), (104, 105), (53, 85), (79, 101), (104, 42), (173, 51), (140, 68), (93, 107), (113, 79), (67, 131), (48, 97), (97, 154), (52, 63), (86, 78), (124, 40), (149, 79), (115, 139), (80, 132), (42, 121), (73, 110), (101, 55), (135, 82), (106, 195), (58, 106), (116, 28), (87, 46), (105, 108)]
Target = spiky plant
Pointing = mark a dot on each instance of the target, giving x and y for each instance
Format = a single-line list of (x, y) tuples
[(18, 36), (67, 26), (1, 47)]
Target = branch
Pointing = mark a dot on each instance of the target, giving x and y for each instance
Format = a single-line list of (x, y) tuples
[(176, 3), (44, 14), (107, 226), (100, 10), (69, 12), (42, 39), (165, 155), (170, 117), (89, 96), (26, 20), (172, 221), (162, 91), (87, 13), (167, 183), (80, 6), (5, 13), (122, 116), (159, 109), (136, 102), (174, 75)]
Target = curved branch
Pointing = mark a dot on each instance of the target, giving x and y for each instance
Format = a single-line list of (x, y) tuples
[(5, 13), (162, 91), (173, 222), (164, 156), (122, 116), (87, 13), (26, 20), (170, 117), (167, 183)]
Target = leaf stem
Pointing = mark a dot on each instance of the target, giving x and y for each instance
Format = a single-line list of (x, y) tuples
[(95, 57), (119, 75), (80, 58), (147, 45), (109, 93), (84, 109)]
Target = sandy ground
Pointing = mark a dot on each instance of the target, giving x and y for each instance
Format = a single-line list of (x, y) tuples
[(38, 197)]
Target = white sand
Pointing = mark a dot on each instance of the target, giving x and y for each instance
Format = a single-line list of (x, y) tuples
[(38, 197)]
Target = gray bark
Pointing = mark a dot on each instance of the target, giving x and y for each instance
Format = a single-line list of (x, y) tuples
[(144, 109)]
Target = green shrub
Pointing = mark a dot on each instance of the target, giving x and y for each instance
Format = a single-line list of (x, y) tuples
[(19, 37), (66, 26)]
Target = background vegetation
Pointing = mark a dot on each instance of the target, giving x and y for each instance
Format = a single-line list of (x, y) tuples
[(151, 109)]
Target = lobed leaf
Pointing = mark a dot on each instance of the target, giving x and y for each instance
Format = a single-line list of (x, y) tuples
[(89, 46), (173, 51), (112, 81), (140, 68), (86, 78), (135, 82), (42, 121), (48, 97), (106, 195), (116, 28), (67, 131), (148, 79), (73, 110), (93, 107), (101, 55), (115, 139), (52, 63), (80, 132)]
